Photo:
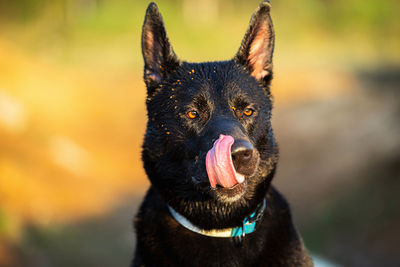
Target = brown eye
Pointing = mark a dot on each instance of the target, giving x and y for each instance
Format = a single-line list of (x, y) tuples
[(248, 112), (192, 114)]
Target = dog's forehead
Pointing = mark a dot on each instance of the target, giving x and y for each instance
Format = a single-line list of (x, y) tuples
[(215, 78)]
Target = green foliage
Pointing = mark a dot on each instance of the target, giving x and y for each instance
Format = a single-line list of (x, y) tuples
[(343, 32), (3, 222)]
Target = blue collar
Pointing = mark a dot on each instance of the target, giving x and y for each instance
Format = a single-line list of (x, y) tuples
[(248, 226)]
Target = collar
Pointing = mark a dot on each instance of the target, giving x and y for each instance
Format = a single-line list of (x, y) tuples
[(248, 226)]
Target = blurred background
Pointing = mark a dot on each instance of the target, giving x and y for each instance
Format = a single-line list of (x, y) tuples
[(72, 119)]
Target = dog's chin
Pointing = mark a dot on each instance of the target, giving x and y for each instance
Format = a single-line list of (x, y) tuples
[(231, 194), (222, 194)]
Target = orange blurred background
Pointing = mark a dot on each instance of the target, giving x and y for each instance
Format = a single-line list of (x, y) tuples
[(72, 119)]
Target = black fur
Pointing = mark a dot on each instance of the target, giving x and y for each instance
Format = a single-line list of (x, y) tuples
[(175, 148)]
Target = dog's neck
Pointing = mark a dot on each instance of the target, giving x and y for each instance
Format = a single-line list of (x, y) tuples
[(248, 225)]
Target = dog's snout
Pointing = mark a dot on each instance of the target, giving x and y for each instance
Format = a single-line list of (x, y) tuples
[(242, 154)]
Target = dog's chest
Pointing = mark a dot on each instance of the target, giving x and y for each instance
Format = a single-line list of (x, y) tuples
[(192, 249)]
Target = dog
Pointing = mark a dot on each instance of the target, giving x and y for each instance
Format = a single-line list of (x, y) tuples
[(210, 155)]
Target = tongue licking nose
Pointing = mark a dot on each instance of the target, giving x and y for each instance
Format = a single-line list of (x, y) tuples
[(219, 163)]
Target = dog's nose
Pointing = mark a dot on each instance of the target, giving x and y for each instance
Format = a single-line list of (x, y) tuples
[(242, 153)]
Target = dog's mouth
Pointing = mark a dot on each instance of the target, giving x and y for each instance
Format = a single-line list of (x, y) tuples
[(223, 181), (220, 169)]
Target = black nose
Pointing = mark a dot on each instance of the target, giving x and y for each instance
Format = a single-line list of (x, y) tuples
[(242, 154)]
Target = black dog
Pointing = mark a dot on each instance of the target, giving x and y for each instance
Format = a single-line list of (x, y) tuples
[(210, 154)]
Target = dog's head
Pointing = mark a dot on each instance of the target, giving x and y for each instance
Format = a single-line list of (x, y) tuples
[(209, 148)]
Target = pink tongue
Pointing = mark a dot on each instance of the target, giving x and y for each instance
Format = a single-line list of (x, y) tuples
[(219, 163)]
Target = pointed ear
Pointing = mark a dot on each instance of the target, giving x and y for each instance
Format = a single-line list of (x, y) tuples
[(257, 47), (159, 57)]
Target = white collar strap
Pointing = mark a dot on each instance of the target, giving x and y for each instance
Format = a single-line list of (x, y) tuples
[(248, 226)]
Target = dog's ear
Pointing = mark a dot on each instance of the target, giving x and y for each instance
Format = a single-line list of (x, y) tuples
[(257, 47), (159, 57)]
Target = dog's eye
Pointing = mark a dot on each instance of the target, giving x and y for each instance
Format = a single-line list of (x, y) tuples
[(248, 112), (192, 114)]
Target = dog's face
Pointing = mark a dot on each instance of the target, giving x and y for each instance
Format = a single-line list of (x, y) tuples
[(209, 148)]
